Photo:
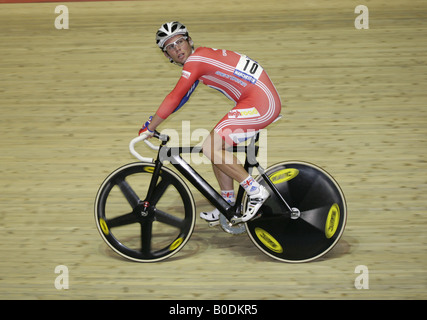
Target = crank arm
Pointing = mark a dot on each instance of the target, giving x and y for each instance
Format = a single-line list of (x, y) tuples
[(213, 223)]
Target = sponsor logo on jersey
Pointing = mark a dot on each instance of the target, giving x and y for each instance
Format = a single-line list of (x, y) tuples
[(243, 113), (186, 74)]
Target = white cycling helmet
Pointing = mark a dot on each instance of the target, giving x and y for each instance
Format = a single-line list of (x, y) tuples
[(168, 30)]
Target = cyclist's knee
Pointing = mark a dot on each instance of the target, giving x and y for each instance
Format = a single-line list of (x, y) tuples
[(206, 149), (212, 144)]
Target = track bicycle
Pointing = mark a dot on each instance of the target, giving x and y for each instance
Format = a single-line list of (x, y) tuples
[(145, 211)]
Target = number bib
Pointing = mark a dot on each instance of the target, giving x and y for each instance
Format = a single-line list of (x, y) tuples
[(248, 69)]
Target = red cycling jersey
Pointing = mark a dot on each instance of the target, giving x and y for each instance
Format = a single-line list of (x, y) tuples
[(238, 77)]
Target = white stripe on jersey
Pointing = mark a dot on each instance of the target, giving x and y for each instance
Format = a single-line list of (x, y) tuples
[(213, 62), (227, 85), (222, 91)]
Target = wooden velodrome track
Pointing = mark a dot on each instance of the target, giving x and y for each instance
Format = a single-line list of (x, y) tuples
[(71, 100)]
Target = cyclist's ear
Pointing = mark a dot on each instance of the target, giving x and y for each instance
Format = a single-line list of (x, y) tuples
[(190, 41)]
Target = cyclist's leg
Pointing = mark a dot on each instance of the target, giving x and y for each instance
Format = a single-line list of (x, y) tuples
[(226, 166), (241, 123), (225, 182), (238, 125)]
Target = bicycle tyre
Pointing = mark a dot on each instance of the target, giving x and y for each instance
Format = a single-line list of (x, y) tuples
[(150, 235), (320, 224)]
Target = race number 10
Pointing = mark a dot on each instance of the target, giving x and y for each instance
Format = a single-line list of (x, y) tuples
[(248, 69)]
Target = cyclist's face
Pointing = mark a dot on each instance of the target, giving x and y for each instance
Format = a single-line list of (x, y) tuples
[(178, 48)]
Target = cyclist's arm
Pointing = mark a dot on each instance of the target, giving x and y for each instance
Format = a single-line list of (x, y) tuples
[(155, 122), (179, 95), (168, 106), (172, 103)]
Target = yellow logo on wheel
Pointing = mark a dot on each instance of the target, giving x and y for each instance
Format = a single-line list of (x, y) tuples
[(332, 221), (283, 175), (104, 226), (175, 244), (268, 240), (149, 169)]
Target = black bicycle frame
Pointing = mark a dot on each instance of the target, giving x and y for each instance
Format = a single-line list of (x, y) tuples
[(173, 154)]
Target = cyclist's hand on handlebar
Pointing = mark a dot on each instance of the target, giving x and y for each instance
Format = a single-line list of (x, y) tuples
[(145, 129)]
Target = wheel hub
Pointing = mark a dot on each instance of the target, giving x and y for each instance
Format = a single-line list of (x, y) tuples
[(295, 213)]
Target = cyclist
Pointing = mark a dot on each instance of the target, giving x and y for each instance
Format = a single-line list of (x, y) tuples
[(242, 80)]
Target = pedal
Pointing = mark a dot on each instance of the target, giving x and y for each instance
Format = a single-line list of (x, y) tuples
[(237, 220), (230, 227)]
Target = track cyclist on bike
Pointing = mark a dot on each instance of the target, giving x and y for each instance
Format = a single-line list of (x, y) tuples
[(242, 80)]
